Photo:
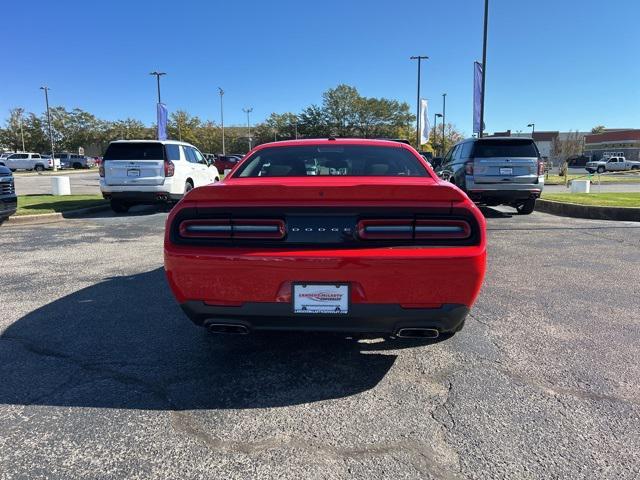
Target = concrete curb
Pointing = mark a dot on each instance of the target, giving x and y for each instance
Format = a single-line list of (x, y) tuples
[(53, 217), (626, 214)]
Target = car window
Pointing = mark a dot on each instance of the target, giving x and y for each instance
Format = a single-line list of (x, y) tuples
[(466, 150), (332, 160), (173, 151), (505, 148), (35, 155), (191, 157), (134, 151), (198, 157), (455, 155)]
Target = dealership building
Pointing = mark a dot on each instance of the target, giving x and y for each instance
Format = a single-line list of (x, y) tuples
[(613, 142)]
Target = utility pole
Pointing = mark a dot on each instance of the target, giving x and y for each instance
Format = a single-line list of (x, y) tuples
[(46, 99), (484, 65), (158, 75), (444, 120), (248, 110), (221, 92), (419, 58)]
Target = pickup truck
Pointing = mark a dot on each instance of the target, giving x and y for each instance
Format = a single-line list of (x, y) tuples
[(29, 161), (8, 199), (612, 164)]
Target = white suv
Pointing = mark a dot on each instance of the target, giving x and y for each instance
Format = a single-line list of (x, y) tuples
[(152, 171), (29, 161)]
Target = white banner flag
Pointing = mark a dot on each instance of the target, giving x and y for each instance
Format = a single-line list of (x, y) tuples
[(424, 122)]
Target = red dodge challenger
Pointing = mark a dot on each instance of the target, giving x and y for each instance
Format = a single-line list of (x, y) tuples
[(341, 235)]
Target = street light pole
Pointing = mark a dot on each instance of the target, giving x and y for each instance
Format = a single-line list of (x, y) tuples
[(484, 65), (419, 58), (435, 129), (221, 92), (444, 119), (46, 99), (158, 75), (248, 110), (22, 132), (296, 127), (533, 128)]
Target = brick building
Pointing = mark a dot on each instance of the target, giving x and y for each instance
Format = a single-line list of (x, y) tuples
[(613, 142)]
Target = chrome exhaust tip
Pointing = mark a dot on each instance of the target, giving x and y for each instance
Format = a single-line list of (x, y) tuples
[(231, 328), (417, 333)]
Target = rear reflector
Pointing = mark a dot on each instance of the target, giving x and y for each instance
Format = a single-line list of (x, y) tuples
[(409, 230), (226, 228)]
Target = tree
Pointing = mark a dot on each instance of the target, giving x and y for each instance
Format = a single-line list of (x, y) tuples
[(598, 129), (182, 126)]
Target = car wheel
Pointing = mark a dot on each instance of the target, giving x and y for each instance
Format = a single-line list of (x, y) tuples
[(119, 207), (600, 170), (217, 179), (77, 166), (526, 207), (12, 169), (188, 186), (635, 167), (39, 168)]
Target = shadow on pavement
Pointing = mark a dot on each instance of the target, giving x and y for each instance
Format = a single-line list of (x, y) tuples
[(489, 212), (125, 343)]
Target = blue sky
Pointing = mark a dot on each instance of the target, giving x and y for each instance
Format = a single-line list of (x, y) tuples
[(563, 64)]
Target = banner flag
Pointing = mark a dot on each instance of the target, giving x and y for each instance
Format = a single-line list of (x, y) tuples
[(162, 121), (477, 96), (424, 121)]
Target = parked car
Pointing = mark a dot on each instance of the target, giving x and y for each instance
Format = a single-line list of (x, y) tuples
[(29, 161), (8, 199), (149, 171), (612, 164), (362, 245), (4, 155), (71, 160), (578, 161), (225, 162), (496, 171)]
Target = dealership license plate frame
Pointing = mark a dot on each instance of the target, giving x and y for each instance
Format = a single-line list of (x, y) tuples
[(309, 287), (506, 170), (133, 172)]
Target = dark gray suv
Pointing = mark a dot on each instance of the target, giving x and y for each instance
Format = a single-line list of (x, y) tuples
[(496, 171), (8, 199)]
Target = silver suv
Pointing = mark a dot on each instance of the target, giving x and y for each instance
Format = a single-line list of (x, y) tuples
[(496, 171)]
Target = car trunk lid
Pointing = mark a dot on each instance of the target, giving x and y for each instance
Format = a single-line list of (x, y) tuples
[(505, 161), (134, 163)]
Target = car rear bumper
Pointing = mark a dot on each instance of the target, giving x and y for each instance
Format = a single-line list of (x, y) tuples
[(507, 191), (143, 197), (362, 318)]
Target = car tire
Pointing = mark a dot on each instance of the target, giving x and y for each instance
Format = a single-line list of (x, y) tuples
[(635, 167), (600, 170), (39, 168), (188, 186), (77, 166), (119, 207), (12, 169), (527, 207), (217, 179)]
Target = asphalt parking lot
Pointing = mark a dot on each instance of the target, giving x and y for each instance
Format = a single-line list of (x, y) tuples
[(102, 376)]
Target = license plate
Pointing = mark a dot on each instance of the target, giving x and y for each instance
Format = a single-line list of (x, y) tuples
[(324, 298), (133, 172), (506, 171)]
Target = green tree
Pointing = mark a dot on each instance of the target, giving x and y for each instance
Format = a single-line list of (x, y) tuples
[(598, 129)]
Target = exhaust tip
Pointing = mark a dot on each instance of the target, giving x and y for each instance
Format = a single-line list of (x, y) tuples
[(417, 333), (230, 328)]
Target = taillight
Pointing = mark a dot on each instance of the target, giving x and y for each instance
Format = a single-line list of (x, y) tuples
[(421, 229), (101, 170), (468, 168), (229, 229), (540, 167), (169, 168), (385, 229)]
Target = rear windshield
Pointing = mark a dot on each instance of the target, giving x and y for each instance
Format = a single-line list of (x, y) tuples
[(134, 151), (332, 160), (505, 148)]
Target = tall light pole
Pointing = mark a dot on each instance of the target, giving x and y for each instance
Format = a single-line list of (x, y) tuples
[(484, 65), (533, 128), (444, 119), (435, 128), (46, 99), (22, 132), (419, 58), (221, 92), (248, 110), (158, 75), (295, 124)]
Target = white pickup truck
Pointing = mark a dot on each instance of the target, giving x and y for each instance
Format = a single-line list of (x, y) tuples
[(612, 164)]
